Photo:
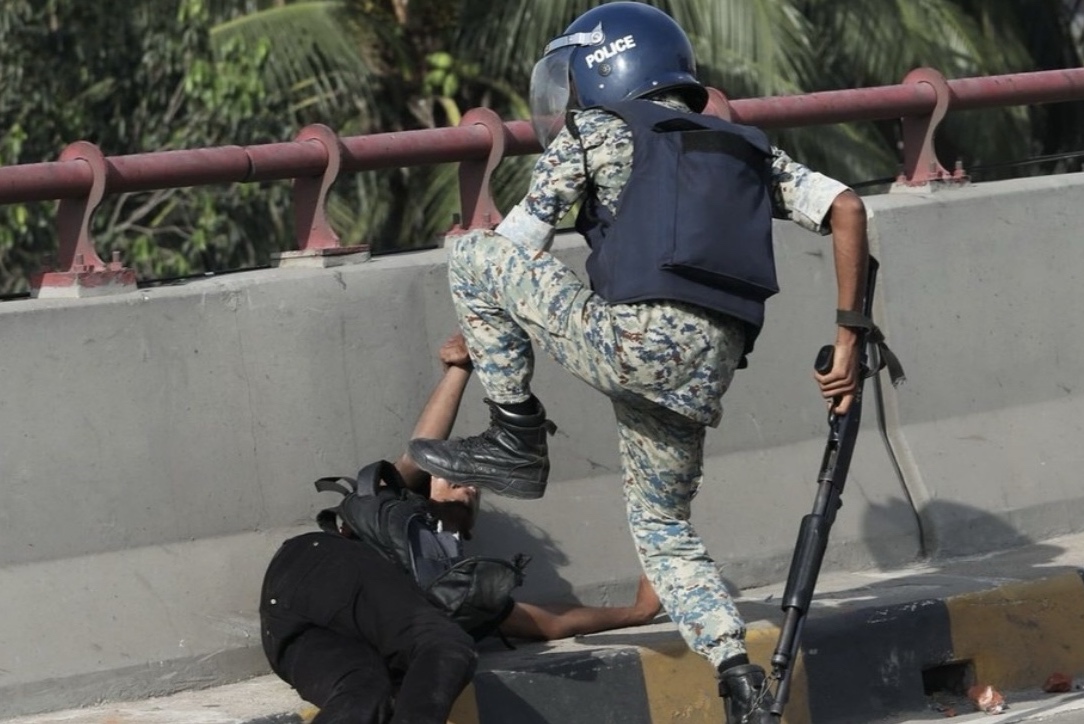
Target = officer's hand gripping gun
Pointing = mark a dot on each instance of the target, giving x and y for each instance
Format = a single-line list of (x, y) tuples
[(813, 534)]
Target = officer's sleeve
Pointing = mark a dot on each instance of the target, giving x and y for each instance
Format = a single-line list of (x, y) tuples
[(557, 182), (801, 194)]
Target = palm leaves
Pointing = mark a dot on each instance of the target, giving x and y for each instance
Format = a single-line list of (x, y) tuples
[(746, 47), (365, 66), (311, 59)]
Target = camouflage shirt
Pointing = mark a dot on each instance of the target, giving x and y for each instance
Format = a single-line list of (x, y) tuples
[(604, 149)]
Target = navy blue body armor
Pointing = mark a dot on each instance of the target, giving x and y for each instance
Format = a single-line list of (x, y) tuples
[(694, 221)]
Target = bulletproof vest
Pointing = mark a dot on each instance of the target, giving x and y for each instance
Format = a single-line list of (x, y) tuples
[(693, 222)]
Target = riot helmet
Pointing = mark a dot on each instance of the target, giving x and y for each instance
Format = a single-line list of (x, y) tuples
[(615, 52)]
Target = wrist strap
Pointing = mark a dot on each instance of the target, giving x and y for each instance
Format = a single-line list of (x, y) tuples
[(885, 356)]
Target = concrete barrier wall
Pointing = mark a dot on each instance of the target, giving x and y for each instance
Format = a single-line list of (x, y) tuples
[(158, 445), (983, 294)]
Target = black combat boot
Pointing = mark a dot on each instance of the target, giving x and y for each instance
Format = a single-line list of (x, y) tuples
[(745, 690), (510, 458)]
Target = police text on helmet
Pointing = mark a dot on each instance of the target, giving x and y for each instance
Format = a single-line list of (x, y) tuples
[(605, 53)]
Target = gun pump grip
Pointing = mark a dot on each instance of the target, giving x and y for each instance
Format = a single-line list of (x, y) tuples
[(823, 364)]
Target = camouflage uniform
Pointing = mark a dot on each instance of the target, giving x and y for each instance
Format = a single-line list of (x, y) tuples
[(665, 365)]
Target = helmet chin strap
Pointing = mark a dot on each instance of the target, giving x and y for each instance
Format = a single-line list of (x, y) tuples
[(574, 103)]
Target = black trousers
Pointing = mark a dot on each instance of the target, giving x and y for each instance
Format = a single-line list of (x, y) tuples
[(355, 636)]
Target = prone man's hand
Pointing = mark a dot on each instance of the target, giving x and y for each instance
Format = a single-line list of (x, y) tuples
[(454, 353)]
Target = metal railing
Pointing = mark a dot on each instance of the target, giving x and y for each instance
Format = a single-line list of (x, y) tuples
[(83, 176)]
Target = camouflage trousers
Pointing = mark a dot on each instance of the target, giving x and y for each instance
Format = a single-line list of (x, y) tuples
[(505, 296)]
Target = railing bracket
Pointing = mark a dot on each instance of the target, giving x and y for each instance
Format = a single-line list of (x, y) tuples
[(479, 211), (80, 271), (922, 171), (317, 243)]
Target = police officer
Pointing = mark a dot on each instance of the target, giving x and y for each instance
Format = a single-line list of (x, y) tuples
[(661, 342)]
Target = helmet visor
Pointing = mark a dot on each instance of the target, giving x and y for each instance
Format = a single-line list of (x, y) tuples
[(550, 94)]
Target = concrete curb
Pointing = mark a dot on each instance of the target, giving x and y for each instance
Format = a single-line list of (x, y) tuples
[(859, 663), (286, 718), (875, 647)]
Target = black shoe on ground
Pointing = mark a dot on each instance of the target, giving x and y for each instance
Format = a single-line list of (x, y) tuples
[(748, 700), (510, 458)]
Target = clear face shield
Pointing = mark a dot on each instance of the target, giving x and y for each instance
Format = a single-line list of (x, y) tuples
[(550, 94), (551, 81)]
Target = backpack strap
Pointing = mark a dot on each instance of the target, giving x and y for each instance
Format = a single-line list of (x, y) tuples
[(370, 477), (331, 485), (368, 481), (328, 518)]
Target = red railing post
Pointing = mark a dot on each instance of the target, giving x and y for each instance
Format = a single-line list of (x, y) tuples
[(718, 105), (80, 271), (921, 167), (317, 242), (478, 209)]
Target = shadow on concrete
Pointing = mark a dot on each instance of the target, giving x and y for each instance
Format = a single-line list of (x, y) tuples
[(951, 534), (962, 549), (974, 550), (503, 534)]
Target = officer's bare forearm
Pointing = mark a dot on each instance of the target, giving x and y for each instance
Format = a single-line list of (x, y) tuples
[(851, 253), (851, 249)]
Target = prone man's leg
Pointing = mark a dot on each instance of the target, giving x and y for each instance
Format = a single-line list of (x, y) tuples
[(345, 677), (430, 656)]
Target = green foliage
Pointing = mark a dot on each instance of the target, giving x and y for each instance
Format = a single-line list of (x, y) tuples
[(146, 75), (136, 77), (318, 64)]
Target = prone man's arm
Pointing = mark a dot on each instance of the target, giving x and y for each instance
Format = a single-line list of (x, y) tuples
[(438, 415), (546, 622)]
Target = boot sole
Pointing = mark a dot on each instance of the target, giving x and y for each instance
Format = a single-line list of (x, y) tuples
[(520, 489)]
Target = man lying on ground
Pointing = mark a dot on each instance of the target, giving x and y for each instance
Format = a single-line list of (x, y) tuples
[(354, 633)]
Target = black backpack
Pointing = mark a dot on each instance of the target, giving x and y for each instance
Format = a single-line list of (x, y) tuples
[(398, 523)]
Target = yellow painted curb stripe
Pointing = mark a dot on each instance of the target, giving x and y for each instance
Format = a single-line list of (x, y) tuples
[(465, 709), (1019, 634), (681, 685)]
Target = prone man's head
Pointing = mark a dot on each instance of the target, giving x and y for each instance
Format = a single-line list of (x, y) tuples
[(456, 506)]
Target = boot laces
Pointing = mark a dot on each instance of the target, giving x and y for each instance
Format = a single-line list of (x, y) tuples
[(762, 692), (487, 438)]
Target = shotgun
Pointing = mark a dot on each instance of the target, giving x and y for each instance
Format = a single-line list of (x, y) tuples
[(812, 542)]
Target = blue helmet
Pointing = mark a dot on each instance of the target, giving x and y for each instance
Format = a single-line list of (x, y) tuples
[(615, 52)]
